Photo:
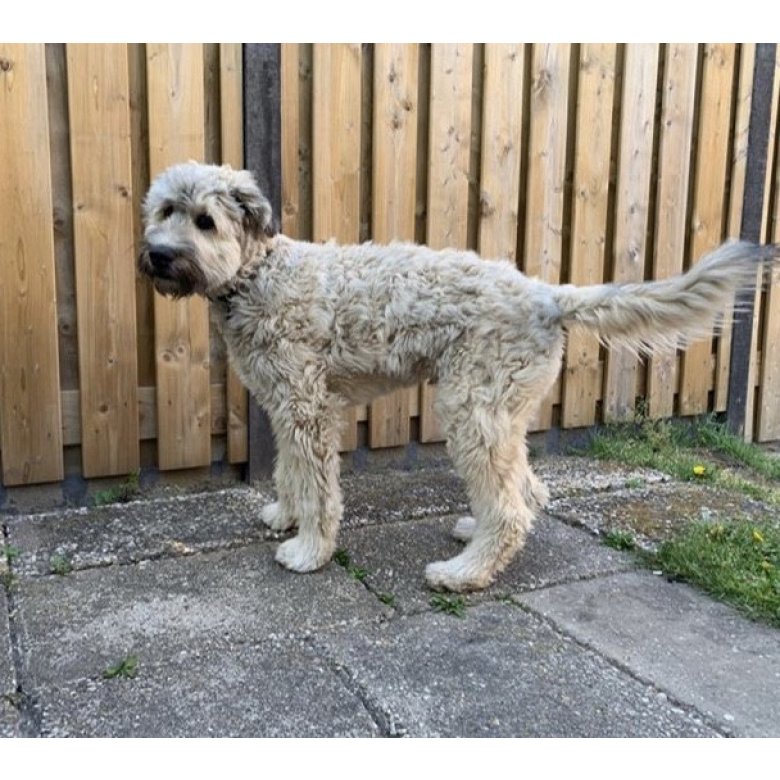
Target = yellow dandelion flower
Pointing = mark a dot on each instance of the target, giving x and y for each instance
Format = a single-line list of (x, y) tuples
[(699, 470)]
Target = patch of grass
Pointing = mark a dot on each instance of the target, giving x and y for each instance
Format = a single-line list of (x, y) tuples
[(127, 668), (59, 564), (12, 553), (686, 452), (119, 494), (8, 580), (341, 557), (737, 562), (451, 605), (634, 482), (620, 540), (387, 598)]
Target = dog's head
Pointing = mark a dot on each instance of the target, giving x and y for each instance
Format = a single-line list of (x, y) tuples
[(201, 223)]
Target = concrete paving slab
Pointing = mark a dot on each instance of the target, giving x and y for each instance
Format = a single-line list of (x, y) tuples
[(124, 533), (78, 625), (9, 716), (498, 672), (7, 674), (278, 689), (657, 511), (699, 651), (574, 475), (395, 557)]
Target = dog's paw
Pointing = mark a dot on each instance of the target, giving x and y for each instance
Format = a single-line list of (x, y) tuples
[(455, 576), (464, 529), (273, 516), (302, 555)]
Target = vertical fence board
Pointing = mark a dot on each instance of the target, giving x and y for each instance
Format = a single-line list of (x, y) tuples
[(394, 195), (448, 172), (595, 103), (632, 210), (336, 159), (502, 125), (546, 187), (712, 157), (30, 423), (736, 196), (62, 201), (232, 136), (676, 129), (98, 91), (768, 401), (291, 99), (176, 134)]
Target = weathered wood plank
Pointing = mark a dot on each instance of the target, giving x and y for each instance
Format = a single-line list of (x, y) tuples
[(336, 158), (545, 190), (709, 203), (768, 401), (674, 173), (98, 100), (62, 199), (30, 423), (232, 137), (595, 105), (393, 199), (502, 125), (448, 171), (176, 134), (632, 212)]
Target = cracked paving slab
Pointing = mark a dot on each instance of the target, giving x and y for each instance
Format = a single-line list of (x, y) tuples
[(656, 512), (212, 689), (88, 537), (499, 672), (702, 652), (395, 557), (77, 625), (9, 720)]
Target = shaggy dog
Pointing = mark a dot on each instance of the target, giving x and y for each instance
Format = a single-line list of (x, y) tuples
[(311, 328)]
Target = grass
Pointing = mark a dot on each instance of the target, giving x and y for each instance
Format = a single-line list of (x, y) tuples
[(119, 494), (12, 553), (686, 452), (387, 598), (451, 605), (59, 564), (127, 668), (737, 562), (341, 557), (620, 540)]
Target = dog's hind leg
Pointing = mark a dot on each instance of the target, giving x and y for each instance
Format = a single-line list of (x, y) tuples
[(307, 475), (487, 446)]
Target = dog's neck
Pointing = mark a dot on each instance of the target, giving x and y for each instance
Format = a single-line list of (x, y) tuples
[(246, 274)]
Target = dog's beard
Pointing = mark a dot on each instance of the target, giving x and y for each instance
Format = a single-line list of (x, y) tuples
[(180, 279)]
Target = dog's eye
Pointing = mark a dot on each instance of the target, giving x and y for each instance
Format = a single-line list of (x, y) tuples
[(204, 222), (167, 211)]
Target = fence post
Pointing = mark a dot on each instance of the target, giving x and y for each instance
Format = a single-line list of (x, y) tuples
[(263, 156), (750, 230)]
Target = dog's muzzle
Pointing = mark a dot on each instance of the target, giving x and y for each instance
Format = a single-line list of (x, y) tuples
[(172, 270)]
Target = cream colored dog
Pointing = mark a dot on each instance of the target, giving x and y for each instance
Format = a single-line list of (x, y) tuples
[(311, 328)]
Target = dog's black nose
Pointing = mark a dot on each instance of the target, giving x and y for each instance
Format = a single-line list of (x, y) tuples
[(161, 257)]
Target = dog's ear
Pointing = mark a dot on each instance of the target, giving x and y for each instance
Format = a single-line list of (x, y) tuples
[(258, 216)]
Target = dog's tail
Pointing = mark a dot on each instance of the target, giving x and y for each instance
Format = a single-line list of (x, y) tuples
[(668, 313)]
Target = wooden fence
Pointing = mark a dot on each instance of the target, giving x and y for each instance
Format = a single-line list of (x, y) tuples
[(582, 163)]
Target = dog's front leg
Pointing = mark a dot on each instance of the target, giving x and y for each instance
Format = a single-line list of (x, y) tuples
[(307, 478)]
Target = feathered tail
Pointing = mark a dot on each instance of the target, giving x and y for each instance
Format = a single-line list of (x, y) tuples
[(668, 313)]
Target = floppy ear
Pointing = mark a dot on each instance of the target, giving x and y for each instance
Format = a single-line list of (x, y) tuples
[(258, 216)]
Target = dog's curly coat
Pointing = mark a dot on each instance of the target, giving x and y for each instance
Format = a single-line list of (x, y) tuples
[(310, 328)]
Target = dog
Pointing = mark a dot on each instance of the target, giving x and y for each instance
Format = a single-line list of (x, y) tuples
[(311, 328)]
